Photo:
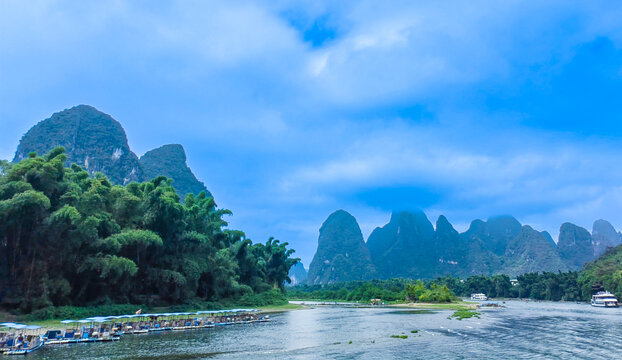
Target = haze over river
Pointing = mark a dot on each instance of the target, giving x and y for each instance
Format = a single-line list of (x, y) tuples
[(521, 330)]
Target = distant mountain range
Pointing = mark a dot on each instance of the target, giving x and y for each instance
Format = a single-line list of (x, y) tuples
[(97, 142), (410, 246)]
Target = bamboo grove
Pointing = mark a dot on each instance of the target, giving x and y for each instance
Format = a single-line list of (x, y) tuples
[(67, 238)]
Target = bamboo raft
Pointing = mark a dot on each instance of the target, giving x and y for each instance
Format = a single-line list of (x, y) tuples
[(114, 327)]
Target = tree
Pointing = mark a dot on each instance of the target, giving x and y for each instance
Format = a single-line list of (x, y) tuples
[(68, 238)]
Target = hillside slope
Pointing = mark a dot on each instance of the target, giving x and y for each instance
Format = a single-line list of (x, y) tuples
[(604, 273)]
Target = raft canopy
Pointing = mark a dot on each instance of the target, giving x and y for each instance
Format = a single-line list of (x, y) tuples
[(131, 316)]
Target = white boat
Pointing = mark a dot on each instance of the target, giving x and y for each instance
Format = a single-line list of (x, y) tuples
[(479, 297), (604, 299)]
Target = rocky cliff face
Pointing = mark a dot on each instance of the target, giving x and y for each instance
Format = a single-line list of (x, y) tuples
[(531, 251), (604, 236), (408, 246), (97, 142), (453, 250), (170, 161), (341, 253), (92, 139), (500, 231), (297, 274), (404, 247), (575, 245)]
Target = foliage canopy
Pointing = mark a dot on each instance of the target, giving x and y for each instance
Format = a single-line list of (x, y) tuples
[(67, 238)]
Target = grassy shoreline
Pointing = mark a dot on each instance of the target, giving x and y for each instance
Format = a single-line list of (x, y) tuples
[(458, 305), (281, 308), (55, 323)]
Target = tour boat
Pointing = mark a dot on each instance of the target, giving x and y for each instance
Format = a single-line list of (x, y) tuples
[(604, 299), (34, 345), (479, 297)]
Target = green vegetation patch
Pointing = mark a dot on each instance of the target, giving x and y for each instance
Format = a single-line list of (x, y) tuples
[(464, 314), (604, 273), (390, 291), (399, 336)]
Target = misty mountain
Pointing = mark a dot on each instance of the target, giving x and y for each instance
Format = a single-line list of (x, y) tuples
[(604, 236), (403, 247), (409, 246), (297, 274), (98, 143), (92, 139), (341, 252), (170, 161), (575, 245), (531, 251)]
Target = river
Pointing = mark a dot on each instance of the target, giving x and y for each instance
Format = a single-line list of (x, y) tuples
[(528, 330)]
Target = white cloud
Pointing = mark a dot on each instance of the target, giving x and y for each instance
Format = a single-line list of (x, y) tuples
[(280, 128), (555, 179)]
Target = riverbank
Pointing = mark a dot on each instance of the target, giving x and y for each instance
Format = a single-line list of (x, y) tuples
[(520, 330), (458, 305), (55, 323), (299, 304), (281, 308)]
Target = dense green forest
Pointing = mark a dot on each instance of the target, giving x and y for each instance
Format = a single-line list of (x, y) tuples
[(70, 239), (603, 274), (554, 286), (391, 290)]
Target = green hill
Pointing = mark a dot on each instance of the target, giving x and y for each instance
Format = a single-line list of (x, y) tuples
[(410, 247), (170, 161), (604, 273), (403, 247), (575, 245), (531, 251), (98, 143), (91, 139), (341, 252)]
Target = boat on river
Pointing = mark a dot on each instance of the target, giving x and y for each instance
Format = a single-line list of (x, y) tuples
[(21, 339), (26, 347), (604, 299), (479, 297), (111, 328)]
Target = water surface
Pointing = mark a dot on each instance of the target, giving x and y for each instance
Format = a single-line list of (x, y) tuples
[(522, 330)]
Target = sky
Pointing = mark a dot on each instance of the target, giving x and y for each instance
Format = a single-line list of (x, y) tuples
[(290, 110)]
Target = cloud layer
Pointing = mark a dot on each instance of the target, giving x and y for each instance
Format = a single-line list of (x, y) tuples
[(291, 110)]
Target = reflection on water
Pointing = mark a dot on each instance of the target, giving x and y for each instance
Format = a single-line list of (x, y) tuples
[(524, 330)]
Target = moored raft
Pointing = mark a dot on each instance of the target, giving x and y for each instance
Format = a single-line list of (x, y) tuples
[(111, 328), (20, 339)]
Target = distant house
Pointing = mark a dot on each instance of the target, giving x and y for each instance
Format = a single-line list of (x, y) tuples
[(514, 282)]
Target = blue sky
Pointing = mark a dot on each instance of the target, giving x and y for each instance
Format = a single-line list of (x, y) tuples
[(291, 110)]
